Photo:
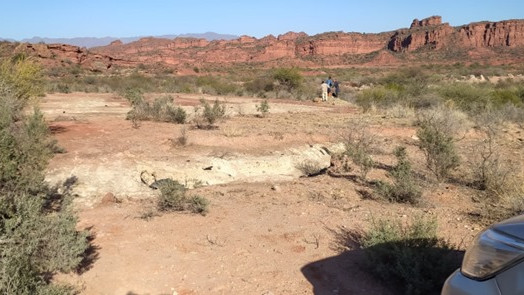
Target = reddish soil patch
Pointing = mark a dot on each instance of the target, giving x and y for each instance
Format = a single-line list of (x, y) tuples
[(259, 237)]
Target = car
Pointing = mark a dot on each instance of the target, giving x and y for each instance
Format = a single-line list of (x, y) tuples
[(493, 264)]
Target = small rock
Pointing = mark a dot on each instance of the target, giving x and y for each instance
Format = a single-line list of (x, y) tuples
[(276, 188), (108, 198)]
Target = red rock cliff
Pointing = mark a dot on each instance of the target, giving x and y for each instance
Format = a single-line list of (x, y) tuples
[(432, 33), (328, 49)]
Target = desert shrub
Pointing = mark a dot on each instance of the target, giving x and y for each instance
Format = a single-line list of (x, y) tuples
[(504, 204), (412, 257), (497, 178), (63, 88), (259, 86), (134, 95), (24, 77), (469, 98), (215, 86), (38, 235), (198, 204), (400, 111), (162, 110), (173, 198), (288, 79), (406, 87), (436, 132), (512, 113), (175, 115), (376, 96), (490, 170), (425, 101), (210, 114), (500, 97), (183, 138), (359, 144), (404, 188), (263, 108)]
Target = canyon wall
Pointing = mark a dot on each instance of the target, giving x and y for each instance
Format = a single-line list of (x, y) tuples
[(327, 49)]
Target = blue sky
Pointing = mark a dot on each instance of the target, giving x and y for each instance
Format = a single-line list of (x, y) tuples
[(100, 18)]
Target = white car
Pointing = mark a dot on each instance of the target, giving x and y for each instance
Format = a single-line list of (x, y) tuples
[(493, 264)]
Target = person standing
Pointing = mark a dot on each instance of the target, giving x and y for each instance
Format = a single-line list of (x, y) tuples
[(336, 88), (329, 82), (324, 87)]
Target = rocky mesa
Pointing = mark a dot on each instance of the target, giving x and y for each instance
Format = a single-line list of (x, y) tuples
[(487, 42)]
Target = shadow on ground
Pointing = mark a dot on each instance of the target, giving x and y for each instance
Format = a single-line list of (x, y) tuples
[(349, 272)]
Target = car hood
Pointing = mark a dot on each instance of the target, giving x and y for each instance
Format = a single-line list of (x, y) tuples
[(513, 226)]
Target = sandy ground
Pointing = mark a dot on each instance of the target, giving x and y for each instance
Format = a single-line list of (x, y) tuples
[(266, 233)]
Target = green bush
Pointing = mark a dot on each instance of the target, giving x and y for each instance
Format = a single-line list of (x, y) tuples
[(359, 144), (437, 128), (404, 188), (176, 115), (469, 98), (500, 97), (215, 86), (377, 96), (198, 204), (162, 110), (210, 114), (23, 76), (38, 235), (288, 79), (411, 257), (263, 108), (173, 198), (259, 86)]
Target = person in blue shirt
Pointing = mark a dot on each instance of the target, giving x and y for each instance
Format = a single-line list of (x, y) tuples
[(329, 82)]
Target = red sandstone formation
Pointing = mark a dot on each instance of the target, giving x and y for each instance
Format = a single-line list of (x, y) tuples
[(431, 32), (430, 21), (54, 55), (477, 40)]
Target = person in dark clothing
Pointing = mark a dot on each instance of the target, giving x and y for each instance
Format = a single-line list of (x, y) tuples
[(336, 88)]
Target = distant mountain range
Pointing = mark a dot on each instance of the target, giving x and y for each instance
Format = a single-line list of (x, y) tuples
[(90, 42)]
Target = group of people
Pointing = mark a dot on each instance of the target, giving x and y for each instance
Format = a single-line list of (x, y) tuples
[(330, 87)]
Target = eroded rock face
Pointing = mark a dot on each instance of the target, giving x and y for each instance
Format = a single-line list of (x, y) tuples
[(57, 54), (430, 21), (493, 34), (436, 37), (432, 33), (328, 49)]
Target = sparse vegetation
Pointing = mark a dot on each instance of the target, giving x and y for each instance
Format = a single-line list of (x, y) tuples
[(411, 257), (404, 188), (496, 177), (38, 236), (173, 198), (288, 79), (437, 128), (210, 114), (263, 108), (183, 139), (359, 145), (198, 204), (438, 97), (162, 109)]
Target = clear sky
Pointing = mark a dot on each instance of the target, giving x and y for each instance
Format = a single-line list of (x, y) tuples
[(129, 18)]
